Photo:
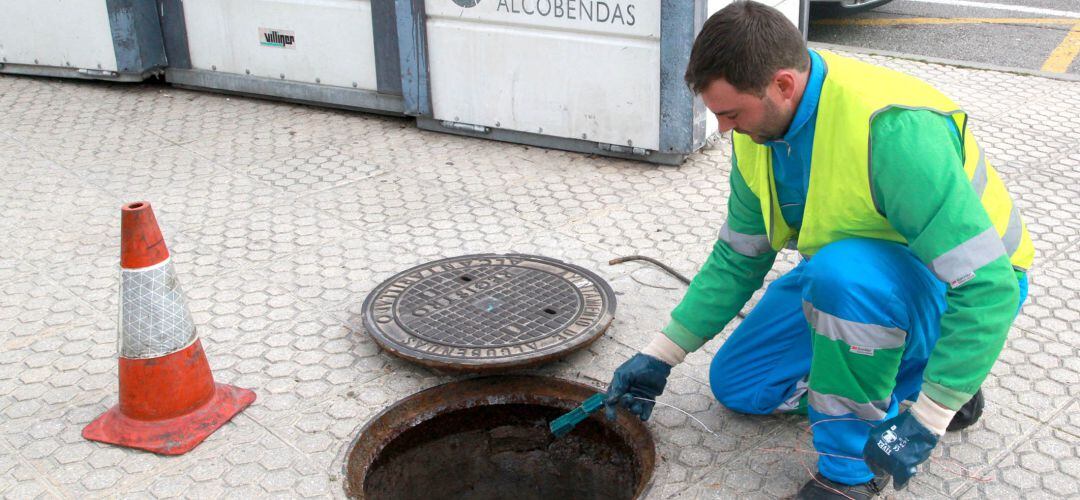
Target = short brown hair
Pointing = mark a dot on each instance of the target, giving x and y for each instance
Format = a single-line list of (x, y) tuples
[(745, 43)]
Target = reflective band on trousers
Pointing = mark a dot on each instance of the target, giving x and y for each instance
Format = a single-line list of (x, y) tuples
[(154, 318), (853, 333), (792, 402), (838, 406), (970, 255), (750, 245)]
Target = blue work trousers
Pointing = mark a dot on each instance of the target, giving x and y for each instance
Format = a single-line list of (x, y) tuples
[(765, 365)]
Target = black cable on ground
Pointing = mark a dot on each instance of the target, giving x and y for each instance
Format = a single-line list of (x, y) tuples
[(661, 265)]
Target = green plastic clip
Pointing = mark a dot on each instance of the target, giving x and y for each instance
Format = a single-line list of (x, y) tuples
[(564, 424)]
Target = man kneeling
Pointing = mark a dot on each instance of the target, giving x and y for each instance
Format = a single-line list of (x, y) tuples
[(914, 255)]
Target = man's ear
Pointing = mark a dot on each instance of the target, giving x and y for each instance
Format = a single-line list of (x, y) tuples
[(785, 83)]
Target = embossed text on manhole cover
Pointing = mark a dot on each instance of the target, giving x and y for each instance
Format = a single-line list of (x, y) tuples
[(489, 312)]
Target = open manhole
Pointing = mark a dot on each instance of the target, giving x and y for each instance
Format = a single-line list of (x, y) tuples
[(488, 438), (489, 312)]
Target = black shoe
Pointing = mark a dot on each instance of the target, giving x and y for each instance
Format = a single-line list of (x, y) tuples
[(969, 413), (823, 488)]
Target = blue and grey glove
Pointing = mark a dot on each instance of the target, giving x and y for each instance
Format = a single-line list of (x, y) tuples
[(897, 446), (640, 376)]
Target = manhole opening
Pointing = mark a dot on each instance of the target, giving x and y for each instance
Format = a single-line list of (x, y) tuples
[(497, 446), (499, 451)]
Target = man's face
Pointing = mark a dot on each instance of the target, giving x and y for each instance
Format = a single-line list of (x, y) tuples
[(764, 118)]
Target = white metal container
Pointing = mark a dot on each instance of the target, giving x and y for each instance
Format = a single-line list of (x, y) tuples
[(332, 52), (495, 65), (600, 76), (105, 39)]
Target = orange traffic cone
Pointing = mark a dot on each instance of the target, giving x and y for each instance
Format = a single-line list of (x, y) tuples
[(169, 402)]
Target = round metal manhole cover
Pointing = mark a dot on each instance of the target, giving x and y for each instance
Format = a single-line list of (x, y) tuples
[(489, 312)]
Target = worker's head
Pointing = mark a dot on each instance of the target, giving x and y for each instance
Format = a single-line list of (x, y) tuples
[(750, 65)]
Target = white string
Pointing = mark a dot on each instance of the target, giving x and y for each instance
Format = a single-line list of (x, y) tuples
[(684, 412), (710, 431)]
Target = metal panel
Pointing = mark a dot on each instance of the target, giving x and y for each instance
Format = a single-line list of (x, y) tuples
[(412, 47), (325, 42), (682, 118), (711, 125), (547, 141), (387, 60), (578, 69), (136, 33), (804, 19), (307, 93), (64, 35), (174, 33)]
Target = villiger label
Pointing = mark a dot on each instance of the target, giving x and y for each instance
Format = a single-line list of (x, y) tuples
[(277, 38)]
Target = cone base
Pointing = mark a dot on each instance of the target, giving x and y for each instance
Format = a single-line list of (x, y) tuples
[(173, 436)]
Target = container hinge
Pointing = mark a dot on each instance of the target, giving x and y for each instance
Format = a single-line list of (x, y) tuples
[(466, 127), (98, 72), (626, 150)]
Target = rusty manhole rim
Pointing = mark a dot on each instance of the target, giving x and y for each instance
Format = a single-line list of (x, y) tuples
[(400, 417), (606, 317)]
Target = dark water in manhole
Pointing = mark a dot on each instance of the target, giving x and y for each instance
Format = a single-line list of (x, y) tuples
[(503, 451)]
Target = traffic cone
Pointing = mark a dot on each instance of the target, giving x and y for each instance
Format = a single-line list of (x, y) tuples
[(169, 402)]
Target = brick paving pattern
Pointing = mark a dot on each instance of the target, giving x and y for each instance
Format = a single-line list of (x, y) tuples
[(282, 217)]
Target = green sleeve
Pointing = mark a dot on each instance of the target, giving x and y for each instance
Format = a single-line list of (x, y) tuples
[(739, 261), (918, 182)]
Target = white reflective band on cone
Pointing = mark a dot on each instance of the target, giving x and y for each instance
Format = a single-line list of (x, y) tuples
[(154, 318)]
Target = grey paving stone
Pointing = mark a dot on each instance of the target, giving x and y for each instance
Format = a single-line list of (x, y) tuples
[(184, 116), (77, 132), (1047, 311), (253, 239), (16, 478), (258, 134), (381, 199), (554, 197), (320, 168), (1034, 375), (1042, 466)]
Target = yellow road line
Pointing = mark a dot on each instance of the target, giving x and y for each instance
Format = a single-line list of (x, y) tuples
[(1062, 57), (936, 20)]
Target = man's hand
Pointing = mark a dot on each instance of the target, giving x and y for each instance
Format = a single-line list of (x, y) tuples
[(897, 446), (640, 376)]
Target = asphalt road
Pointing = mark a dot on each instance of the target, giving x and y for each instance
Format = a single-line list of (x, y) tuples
[(1030, 34)]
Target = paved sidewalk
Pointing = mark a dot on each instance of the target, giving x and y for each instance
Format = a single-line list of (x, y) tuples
[(282, 217)]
